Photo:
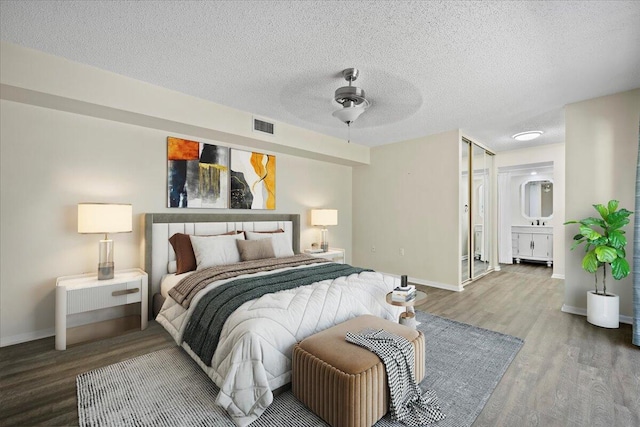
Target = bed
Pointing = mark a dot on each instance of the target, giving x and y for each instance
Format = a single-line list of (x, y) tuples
[(248, 353)]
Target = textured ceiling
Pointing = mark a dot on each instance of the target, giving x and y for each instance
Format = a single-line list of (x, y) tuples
[(489, 68)]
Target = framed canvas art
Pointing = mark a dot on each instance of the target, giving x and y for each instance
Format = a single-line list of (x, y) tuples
[(198, 174), (253, 180)]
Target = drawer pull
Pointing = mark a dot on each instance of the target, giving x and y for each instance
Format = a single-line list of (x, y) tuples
[(125, 292)]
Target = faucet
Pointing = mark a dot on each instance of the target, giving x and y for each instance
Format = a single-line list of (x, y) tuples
[(538, 222)]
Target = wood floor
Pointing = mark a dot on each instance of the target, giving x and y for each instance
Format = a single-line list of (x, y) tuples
[(568, 373)]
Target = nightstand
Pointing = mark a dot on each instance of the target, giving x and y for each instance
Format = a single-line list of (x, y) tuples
[(334, 254), (408, 318), (84, 292)]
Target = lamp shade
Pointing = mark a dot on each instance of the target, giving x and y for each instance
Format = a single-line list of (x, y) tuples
[(348, 114), (104, 218), (324, 217)]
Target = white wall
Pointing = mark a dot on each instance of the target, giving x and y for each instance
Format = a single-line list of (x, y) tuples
[(408, 198), (37, 78), (72, 133), (602, 150), (546, 153)]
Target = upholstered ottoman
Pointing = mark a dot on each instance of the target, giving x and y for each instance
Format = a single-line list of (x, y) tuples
[(344, 384)]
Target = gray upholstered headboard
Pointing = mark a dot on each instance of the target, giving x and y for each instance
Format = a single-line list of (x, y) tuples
[(161, 226)]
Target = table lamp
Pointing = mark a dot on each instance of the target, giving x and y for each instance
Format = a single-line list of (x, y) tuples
[(324, 217), (104, 218)]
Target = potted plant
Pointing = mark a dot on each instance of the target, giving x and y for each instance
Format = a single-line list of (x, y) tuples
[(605, 244)]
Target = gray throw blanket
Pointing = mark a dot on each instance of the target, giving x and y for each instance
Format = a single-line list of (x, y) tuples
[(188, 287), (408, 405), (205, 325)]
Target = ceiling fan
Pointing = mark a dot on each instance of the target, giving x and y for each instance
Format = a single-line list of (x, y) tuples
[(352, 98)]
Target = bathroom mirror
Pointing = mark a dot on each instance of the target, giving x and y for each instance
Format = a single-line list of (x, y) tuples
[(537, 199)]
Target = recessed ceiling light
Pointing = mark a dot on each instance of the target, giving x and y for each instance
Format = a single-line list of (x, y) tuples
[(534, 173), (527, 136)]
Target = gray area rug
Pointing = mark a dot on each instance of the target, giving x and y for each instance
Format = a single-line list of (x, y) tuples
[(167, 388)]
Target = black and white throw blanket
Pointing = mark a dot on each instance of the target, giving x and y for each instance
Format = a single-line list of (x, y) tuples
[(408, 405)]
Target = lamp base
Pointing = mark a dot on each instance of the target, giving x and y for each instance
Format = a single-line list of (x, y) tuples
[(105, 260), (324, 246), (105, 271)]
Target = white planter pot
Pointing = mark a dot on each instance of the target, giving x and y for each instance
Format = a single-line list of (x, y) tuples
[(603, 310)]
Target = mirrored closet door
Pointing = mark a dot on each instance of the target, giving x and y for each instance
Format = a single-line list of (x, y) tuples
[(465, 212), (476, 203)]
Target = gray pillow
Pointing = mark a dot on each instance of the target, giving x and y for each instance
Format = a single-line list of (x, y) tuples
[(255, 249)]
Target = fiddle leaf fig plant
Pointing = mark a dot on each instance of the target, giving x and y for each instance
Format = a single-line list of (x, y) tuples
[(604, 242)]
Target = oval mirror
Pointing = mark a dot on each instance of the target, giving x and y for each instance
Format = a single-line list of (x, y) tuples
[(537, 199)]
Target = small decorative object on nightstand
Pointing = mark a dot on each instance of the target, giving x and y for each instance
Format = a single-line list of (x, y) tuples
[(334, 254), (85, 292)]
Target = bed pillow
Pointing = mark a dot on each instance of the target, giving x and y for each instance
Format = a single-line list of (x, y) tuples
[(255, 249), (280, 241), (215, 250), (172, 267), (185, 258)]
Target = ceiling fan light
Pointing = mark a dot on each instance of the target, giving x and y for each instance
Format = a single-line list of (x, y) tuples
[(528, 135), (348, 114)]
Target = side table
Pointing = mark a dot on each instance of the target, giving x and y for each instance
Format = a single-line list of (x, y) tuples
[(408, 317), (84, 292), (333, 254)]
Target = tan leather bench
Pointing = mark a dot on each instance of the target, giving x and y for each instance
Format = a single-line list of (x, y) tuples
[(344, 384)]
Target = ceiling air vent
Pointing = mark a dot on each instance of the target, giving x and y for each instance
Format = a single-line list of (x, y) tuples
[(263, 127)]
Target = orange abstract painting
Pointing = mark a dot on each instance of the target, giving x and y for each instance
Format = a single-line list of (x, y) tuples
[(198, 174), (253, 180)]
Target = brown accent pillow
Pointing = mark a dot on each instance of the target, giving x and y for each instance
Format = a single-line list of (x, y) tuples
[(185, 258), (255, 249)]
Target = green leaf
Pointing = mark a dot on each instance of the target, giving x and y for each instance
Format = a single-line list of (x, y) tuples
[(621, 253), (604, 212), (612, 206), (570, 222), (578, 237), (576, 244), (620, 268), (589, 232), (593, 221), (617, 239), (605, 253), (590, 262)]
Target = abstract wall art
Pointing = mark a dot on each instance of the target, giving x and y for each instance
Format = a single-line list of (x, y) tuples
[(198, 174), (253, 180)]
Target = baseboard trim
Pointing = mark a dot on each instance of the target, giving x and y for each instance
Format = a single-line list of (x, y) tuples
[(583, 312), (422, 282), (28, 336), (557, 276)]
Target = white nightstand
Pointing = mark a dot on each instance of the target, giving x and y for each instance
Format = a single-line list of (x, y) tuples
[(334, 254), (84, 292)]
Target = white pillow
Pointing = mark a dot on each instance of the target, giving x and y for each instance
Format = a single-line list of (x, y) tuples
[(172, 267), (215, 250), (280, 241)]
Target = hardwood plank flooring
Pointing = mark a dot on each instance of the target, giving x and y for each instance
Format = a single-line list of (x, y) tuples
[(568, 373), (38, 383)]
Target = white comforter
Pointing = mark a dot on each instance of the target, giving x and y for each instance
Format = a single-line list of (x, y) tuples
[(253, 356)]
